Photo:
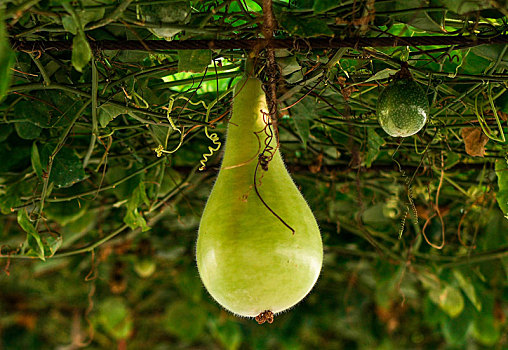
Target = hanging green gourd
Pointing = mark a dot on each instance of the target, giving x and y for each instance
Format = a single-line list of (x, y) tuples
[(259, 249), (402, 107)]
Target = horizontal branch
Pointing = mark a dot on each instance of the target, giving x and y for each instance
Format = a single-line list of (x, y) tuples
[(248, 44), (344, 168)]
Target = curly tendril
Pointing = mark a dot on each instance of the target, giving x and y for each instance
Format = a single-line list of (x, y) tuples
[(161, 149), (211, 150), (213, 137)]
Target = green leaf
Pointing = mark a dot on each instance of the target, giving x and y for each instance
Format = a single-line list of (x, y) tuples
[(15, 156), (133, 218), (228, 333), (375, 216), (401, 53), (81, 51), (502, 200), (492, 237), (66, 212), (449, 299), (109, 112), (485, 330), (143, 198), (170, 180), (432, 315), (321, 6), (11, 197), (474, 64), (193, 61), (301, 117), (502, 174), (465, 6), (5, 131), (189, 284), (421, 19), (304, 4), (84, 16), (33, 112), (502, 182), (69, 24), (52, 244), (387, 275), (82, 226), (295, 77), (36, 160), (374, 143), (160, 133), (65, 107), (124, 189), (249, 5), (67, 168), (382, 74), (502, 102), (304, 27), (492, 53), (288, 65), (27, 130), (115, 317), (7, 58), (451, 159), (33, 240), (467, 287), (185, 320), (455, 330), (89, 15)]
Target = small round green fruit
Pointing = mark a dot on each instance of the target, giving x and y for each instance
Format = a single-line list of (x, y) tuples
[(176, 14), (145, 267), (402, 108)]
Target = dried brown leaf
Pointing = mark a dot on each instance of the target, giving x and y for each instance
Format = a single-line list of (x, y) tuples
[(475, 141), (316, 166), (348, 91)]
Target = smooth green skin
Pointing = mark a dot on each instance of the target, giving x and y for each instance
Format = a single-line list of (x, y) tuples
[(402, 108), (247, 259)]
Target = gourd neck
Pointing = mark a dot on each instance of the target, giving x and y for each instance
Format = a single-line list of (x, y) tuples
[(248, 132)]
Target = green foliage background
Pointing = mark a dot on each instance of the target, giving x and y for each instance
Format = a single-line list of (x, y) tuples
[(97, 232)]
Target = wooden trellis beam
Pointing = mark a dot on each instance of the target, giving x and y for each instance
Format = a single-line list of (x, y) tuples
[(248, 44)]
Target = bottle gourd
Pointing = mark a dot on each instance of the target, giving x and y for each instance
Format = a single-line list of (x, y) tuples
[(249, 260)]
